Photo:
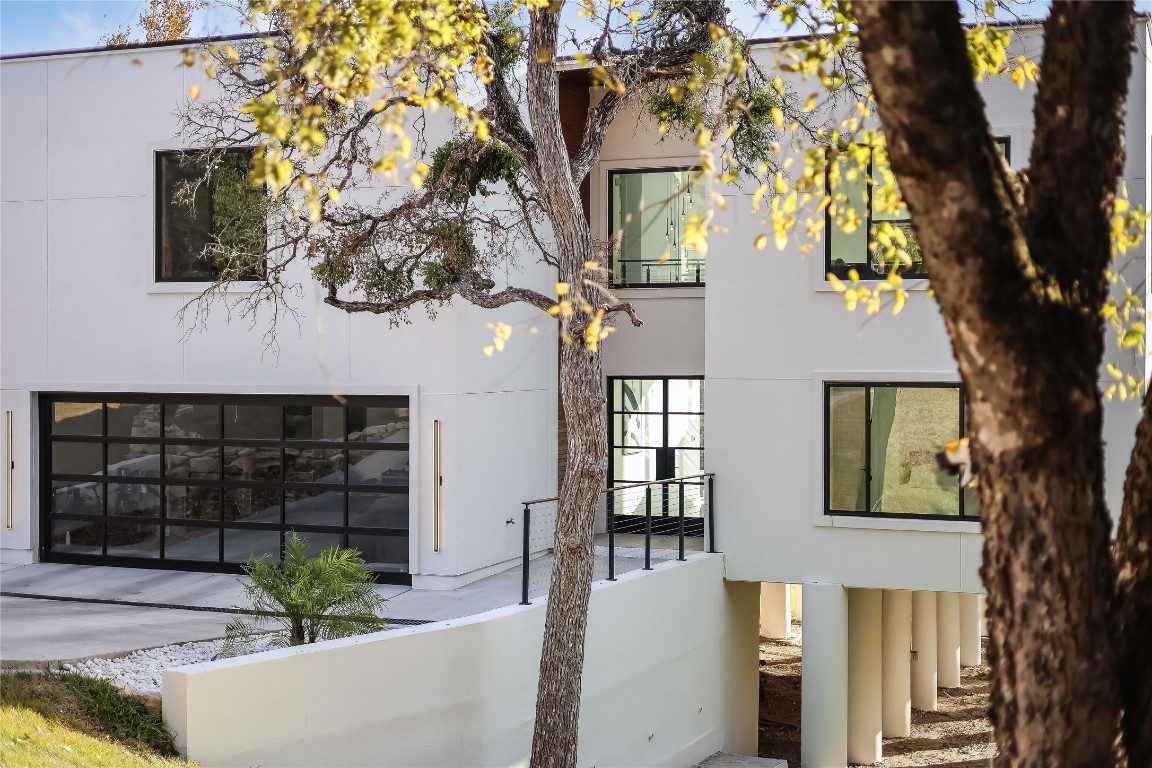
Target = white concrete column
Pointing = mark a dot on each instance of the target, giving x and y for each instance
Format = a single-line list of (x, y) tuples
[(865, 719), (969, 630), (983, 616), (775, 611), (897, 642), (948, 639), (797, 601), (923, 651), (824, 678)]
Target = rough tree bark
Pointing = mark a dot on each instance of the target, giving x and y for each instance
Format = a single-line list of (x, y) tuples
[(554, 740), (1134, 595), (557, 179), (1019, 273)]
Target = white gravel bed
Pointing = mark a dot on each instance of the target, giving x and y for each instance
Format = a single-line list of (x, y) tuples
[(142, 671)]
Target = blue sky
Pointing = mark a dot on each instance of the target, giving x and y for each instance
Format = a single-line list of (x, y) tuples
[(52, 25)]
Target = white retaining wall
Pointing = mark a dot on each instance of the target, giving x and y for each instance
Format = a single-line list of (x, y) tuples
[(670, 678)]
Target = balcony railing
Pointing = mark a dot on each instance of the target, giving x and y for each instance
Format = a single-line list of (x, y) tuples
[(642, 273), (663, 500)]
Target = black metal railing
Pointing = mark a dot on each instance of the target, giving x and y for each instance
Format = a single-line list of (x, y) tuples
[(656, 272), (672, 510)]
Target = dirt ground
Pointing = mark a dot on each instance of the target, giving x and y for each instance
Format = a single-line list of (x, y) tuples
[(958, 735)]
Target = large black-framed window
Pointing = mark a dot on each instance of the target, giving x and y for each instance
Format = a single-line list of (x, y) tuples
[(648, 209), (656, 432), (845, 251), (880, 443), (204, 482), (209, 219)]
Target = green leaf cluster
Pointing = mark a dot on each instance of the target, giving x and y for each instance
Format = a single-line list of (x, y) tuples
[(457, 251), (468, 170), (306, 599), (507, 37), (756, 136)]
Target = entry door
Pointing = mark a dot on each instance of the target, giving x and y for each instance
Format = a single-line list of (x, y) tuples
[(656, 431)]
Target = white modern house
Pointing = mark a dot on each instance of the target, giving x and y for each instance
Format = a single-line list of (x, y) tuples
[(135, 440)]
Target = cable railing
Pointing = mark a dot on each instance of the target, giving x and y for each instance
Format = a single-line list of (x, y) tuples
[(680, 507), (634, 272)]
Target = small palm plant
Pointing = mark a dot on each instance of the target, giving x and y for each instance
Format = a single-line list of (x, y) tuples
[(304, 599)]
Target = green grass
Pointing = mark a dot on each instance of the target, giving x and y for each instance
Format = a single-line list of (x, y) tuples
[(64, 719)]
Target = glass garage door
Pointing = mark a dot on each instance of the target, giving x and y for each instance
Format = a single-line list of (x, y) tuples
[(206, 482)]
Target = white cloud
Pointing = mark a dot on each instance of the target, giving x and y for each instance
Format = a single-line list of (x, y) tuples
[(76, 27)]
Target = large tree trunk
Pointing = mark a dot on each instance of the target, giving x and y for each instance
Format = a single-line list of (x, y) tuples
[(554, 740), (1020, 278), (1134, 595)]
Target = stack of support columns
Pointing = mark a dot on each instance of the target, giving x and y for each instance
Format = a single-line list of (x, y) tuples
[(870, 657)]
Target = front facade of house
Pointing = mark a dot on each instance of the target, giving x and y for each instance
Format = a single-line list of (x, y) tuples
[(134, 439), (139, 440)]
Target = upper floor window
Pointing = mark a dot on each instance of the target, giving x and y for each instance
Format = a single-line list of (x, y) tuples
[(647, 214), (880, 443), (210, 222), (857, 249)]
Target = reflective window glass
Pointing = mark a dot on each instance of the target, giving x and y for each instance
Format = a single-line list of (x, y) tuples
[(134, 419), (195, 420), (882, 445), (77, 418), (210, 221), (308, 422), (313, 507), (81, 537), (187, 542), (648, 215), (253, 422)]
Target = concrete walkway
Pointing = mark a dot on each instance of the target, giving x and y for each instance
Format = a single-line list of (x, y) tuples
[(53, 612)]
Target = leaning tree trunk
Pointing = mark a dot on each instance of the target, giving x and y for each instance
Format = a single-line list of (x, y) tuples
[(1134, 595), (554, 740), (1020, 278)]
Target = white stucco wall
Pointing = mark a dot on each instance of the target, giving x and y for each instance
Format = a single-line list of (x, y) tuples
[(670, 678), (81, 310)]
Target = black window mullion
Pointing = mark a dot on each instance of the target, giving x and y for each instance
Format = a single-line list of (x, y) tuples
[(220, 451), (104, 484), (283, 489), (868, 447), (163, 529)]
